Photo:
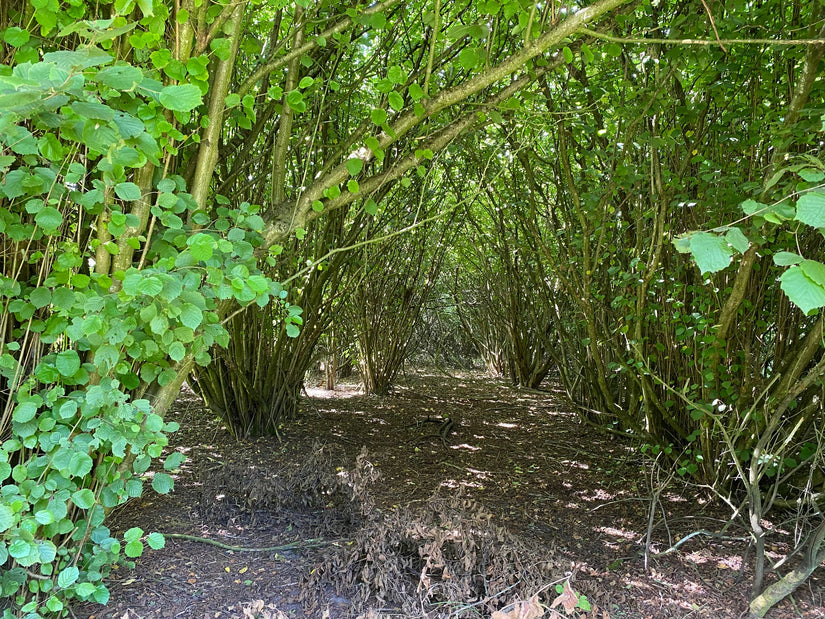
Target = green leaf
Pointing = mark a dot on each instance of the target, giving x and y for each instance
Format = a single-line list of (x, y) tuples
[(25, 412), (396, 101), (567, 53), (306, 82), (812, 176), (613, 49), (222, 47), (396, 74), (80, 465), (786, 258), (133, 534), (162, 483), (67, 363), (84, 499), (801, 290), (810, 209), (182, 98), (354, 166), (190, 316), (49, 218), (468, 58), (15, 36), (150, 286), (711, 252), (83, 59), (133, 549), (295, 100), (85, 589), (352, 186), (736, 239), (40, 297), (120, 77), (127, 191), (371, 207), (378, 116), (156, 541), (177, 351), (416, 92), (146, 8), (68, 577), (201, 246), (6, 518), (749, 207), (173, 461), (814, 270)]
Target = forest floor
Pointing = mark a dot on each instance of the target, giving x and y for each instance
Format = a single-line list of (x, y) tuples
[(520, 502)]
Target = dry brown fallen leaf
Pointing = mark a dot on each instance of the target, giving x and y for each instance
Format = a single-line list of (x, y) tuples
[(531, 609), (568, 599)]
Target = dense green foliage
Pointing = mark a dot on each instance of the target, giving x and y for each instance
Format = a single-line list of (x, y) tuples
[(642, 215)]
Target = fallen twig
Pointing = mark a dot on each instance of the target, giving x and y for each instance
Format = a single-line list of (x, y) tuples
[(309, 543)]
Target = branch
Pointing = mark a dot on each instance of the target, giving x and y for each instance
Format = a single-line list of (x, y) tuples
[(711, 42), (285, 219), (271, 66), (310, 543)]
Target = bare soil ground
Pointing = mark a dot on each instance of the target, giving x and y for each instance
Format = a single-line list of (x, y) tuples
[(520, 500)]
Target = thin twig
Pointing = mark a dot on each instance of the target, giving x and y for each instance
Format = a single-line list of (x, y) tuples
[(310, 543)]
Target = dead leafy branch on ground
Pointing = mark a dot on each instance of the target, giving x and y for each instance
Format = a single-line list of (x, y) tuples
[(442, 558)]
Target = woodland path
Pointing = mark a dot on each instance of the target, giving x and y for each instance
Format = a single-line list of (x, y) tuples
[(519, 459)]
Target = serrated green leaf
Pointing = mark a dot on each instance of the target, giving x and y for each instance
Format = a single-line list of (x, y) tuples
[(127, 191), (162, 483), (67, 363), (736, 239), (468, 58), (49, 218), (354, 166), (801, 290), (190, 316), (120, 77), (84, 499), (710, 252), (396, 101), (25, 412), (80, 465), (786, 258), (173, 461), (292, 330), (749, 207), (181, 98), (810, 209), (85, 589), (133, 549), (201, 246), (378, 116), (6, 518), (156, 541), (150, 286), (814, 270), (40, 297), (67, 577), (416, 92), (135, 533), (177, 351)]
